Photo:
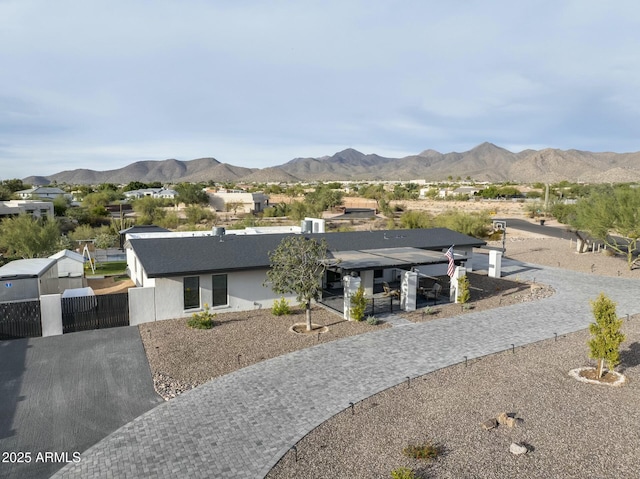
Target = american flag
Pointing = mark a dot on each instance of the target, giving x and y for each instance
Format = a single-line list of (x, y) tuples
[(452, 266)]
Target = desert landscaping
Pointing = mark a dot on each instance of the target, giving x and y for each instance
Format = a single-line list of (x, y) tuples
[(570, 429)]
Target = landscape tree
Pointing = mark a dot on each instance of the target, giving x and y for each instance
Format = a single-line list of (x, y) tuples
[(28, 237), (5, 193), (297, 267), (606, 337), (195, 214), (324, 197), (191, 194), (472, 224), (149, 210), (413, 219), (135, 185), (611, 215)]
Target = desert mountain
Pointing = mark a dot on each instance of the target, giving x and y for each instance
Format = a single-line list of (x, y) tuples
[(485, 162)]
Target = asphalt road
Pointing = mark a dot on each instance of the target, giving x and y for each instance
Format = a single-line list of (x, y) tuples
[(62, 394), (531, 227)]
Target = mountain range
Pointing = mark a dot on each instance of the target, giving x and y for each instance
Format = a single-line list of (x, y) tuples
[(485, 162)]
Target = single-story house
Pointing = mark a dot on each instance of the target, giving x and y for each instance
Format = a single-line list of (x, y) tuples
[(70, 269), (238, 201), (27, 279), (228, 272), (49, 192), (152, 192), (35, 208)]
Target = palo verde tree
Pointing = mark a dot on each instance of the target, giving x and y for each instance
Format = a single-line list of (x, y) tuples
[(606, 337), (297, 266), (612, 215), (28, 237)]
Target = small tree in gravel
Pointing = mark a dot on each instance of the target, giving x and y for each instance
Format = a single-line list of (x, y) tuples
[(606, 335), (297, 266), (464, 293), (358, 304)]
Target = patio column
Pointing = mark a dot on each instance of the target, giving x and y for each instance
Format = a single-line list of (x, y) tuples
[(408, 290), (351, 285), (453, 291), (366, 278)]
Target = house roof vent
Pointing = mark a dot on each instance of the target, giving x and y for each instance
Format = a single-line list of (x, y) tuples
[(218, 231)]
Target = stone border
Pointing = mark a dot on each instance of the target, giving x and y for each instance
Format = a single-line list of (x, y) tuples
[(575, 373), (315, 328)]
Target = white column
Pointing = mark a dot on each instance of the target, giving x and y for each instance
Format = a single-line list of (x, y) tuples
[(495, 263), (351, 285), (408, 291), (51, 314), (366, 278), (453, 291)]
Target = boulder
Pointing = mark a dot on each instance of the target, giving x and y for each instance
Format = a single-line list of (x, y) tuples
[(489, 424), (502, 418), (517, 449)]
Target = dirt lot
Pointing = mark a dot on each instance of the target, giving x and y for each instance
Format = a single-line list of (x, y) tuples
[(109, 285)]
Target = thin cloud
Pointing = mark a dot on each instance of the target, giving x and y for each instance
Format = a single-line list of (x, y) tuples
[(103, 84)]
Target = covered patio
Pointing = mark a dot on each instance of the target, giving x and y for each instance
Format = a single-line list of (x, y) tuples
[(382, 274)]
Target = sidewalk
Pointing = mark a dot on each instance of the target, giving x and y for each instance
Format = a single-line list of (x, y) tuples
[(239, 425)]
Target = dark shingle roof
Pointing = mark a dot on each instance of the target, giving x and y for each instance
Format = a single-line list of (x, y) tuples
[(164, 257)]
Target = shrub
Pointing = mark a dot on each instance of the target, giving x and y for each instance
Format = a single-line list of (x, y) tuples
[(606, 337), (372, 320), (202, 320), (422, 451), (358, 304), (403, 473), (464, 294), (280, 307)]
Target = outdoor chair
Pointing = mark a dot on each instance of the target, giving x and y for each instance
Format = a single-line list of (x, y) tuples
[(433, 292), (390, 292)]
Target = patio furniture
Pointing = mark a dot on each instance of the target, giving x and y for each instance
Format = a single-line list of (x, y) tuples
[(390, 292), (433, 292)]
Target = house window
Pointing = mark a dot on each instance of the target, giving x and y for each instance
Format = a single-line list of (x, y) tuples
[(191, 291), (378, 273), (219, 290)]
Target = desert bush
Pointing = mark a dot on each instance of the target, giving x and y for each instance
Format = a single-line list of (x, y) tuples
[(422, 451), (403, 473), (464, 293), (358, 304), (280, 307), (372, 320), (202, 320)]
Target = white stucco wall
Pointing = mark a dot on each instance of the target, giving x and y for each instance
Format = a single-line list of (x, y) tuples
[(245, 292)]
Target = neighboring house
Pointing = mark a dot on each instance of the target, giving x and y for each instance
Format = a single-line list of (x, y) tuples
[(41, 192), (37, 209), (238, 201), (152, 192), (70, 269), (27, 279), (228, 272)]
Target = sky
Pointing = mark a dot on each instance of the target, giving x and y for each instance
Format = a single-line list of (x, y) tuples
[(102, 84)]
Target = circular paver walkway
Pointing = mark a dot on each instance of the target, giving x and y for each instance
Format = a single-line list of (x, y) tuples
[(239, 425)]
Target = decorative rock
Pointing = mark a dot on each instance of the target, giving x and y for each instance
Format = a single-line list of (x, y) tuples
[(502, 418), (511, 421), (489, 424), (517, 449)]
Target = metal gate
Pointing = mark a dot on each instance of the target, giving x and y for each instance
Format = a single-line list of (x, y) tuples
[(20, 320), (95, 312)]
